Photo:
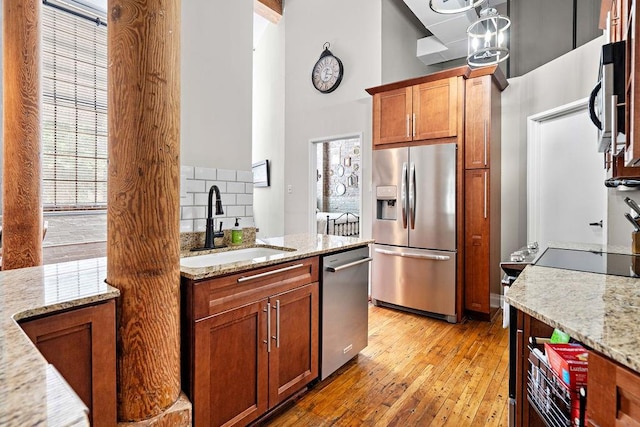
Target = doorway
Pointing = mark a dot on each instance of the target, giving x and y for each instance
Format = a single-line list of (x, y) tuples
[(565, 178), (336, 185)]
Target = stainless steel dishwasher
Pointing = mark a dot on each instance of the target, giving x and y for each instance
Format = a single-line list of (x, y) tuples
[(344, 299)]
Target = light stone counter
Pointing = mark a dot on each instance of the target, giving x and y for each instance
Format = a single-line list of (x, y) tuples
[(296, 246), (32, 392), (602, 311)]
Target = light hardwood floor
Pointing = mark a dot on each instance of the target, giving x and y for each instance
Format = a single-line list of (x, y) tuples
[(416, 371)]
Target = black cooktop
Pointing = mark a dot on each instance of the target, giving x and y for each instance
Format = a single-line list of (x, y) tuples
[(590, 261)]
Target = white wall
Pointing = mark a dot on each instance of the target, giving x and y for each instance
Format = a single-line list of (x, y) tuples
[(216, 80), (354, 30), (399, 41), (566, 79), (268, 128)]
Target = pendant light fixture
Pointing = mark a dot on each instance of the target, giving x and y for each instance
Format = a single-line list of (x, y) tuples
[(487, 39), (449, 7)]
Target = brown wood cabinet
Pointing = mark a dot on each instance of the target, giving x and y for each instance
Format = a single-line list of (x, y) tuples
[(420, 112), (613, 393), (482, 195), (81, 344), (250, 341), (477, 212)]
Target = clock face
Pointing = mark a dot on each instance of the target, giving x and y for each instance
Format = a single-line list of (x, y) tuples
[(327, 73)]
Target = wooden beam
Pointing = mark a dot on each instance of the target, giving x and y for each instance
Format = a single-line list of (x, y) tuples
[(605, 7), (21, 163), (270, 10), (143, 236)]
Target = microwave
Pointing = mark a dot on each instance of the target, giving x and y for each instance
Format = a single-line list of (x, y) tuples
[(606, 102)]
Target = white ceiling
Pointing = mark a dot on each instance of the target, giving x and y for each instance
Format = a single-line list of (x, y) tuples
[(449, 39)]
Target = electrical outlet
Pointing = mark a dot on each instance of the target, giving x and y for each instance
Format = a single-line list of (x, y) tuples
[(289, 188)]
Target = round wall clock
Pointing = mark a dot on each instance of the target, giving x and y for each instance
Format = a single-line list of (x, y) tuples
[(327, 72)]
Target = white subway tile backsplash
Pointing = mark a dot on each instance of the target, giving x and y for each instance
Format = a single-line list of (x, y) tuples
[(199, 225), (226, 175), (236, 193), (245, 176), (228, 199), (233, 211), (244, 199), (235, 187), (222, 186), (193, 212), (186, 225), (187, 171), (206, 173), (194, 186), (188, 199)]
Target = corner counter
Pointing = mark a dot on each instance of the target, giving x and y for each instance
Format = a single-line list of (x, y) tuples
[(31, 390), (297, 246), (602, 311)]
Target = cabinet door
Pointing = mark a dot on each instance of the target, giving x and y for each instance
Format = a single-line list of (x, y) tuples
[(392, 116), (230, 366), (435, 109), (81, 344), (293, 361), (477, 240), (477, 122), (613, 393)]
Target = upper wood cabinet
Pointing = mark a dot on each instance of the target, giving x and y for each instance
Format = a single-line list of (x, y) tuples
[(478, 128), (419, 112), (435, 109)]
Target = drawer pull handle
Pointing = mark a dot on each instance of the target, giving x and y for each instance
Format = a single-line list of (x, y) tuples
[(269, 273), (268, 341)]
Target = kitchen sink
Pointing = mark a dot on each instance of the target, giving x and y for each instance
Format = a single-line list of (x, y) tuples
[(256, 254)]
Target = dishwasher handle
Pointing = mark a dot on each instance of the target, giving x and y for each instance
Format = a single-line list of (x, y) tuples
[(349, 265), (410, 255)]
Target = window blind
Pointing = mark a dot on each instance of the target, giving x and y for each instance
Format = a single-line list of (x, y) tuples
[(74, 111)]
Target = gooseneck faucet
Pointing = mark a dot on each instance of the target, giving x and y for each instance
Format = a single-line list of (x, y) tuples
[(210, 232)]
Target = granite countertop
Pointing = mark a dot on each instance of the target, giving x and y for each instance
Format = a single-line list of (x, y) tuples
[(600, 310), (32, 392), (296, 246)]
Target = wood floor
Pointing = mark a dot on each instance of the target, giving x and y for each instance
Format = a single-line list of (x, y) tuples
[(416, 371)]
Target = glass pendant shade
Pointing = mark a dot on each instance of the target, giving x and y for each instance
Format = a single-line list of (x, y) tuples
[(487, 39), (448, 7)]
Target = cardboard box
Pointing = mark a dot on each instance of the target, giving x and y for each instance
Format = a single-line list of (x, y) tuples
[(569, 361)]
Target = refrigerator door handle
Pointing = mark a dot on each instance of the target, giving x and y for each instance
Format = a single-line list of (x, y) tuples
[(410, 255), (403, 195), (412, 195)]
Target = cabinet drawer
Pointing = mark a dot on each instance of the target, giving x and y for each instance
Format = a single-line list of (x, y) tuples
[(223, 293)]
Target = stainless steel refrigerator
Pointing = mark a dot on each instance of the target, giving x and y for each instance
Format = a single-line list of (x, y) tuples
[(414, 227)]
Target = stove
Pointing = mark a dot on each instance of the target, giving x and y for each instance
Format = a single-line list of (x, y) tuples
[(591, 262)]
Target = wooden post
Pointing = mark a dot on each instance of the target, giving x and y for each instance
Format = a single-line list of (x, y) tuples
[(143, 259), (21, 166)]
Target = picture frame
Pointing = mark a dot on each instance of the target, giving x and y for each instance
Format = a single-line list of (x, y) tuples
[(261, 174)]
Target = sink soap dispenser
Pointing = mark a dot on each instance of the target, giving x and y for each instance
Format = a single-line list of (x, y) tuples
[(236, 233)]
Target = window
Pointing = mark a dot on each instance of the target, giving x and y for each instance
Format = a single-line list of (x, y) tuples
[(74, 110)]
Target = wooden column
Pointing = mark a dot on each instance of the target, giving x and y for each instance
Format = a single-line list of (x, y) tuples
[(143, 206), (21, 200)]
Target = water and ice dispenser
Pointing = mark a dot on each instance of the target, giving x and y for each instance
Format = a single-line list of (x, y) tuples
[(386, 199)]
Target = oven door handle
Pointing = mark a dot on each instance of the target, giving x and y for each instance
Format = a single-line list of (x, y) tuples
[(592, 105)]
